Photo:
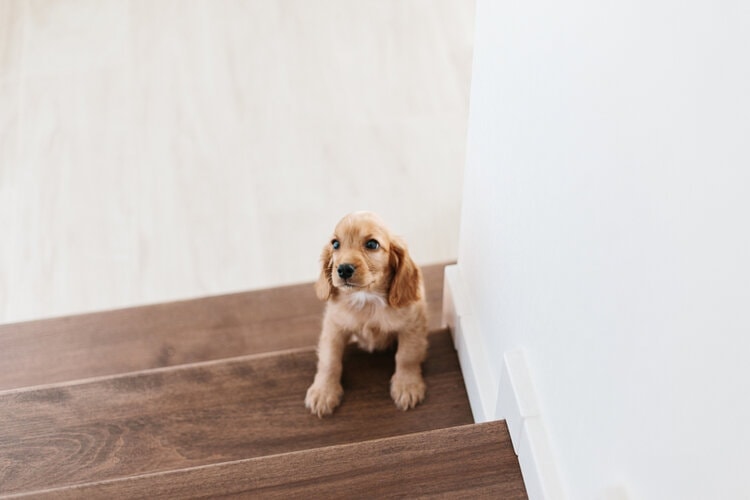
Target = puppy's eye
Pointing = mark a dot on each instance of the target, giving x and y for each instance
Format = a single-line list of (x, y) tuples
[(372, 245), (335, 244)]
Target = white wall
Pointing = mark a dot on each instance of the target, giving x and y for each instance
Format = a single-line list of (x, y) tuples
[(155, 150), (605, 233)]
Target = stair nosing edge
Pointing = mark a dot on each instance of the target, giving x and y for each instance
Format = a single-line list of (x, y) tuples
[(159, 369)]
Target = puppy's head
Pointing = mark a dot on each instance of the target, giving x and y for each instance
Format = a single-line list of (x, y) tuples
[(363, 255)]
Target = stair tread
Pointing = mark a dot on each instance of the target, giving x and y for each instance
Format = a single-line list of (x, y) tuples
[(207, 413), (138, 338), (471, 461)]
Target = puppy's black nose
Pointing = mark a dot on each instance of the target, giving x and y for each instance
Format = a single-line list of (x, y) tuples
[(345, 271)]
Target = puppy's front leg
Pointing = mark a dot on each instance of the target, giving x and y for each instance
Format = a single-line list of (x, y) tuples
[(325, 393), (407, 384)]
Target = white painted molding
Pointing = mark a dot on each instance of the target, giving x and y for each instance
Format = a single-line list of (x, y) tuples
[(517, 403), (480, 379), (516, 399), (501, 391)]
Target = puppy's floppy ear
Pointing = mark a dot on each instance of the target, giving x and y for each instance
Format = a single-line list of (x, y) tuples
[(324, 286), (405, 283)]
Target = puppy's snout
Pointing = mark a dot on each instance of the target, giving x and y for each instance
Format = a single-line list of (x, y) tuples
[(346, 271)]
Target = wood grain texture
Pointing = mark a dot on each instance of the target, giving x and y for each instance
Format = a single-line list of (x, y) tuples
[(207, 413), (474, 461), (140, 338)]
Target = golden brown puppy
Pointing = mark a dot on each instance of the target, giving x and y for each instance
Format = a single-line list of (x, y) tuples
[(375, 296)]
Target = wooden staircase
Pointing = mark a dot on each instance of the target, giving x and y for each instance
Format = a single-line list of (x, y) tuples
[(204, 398)]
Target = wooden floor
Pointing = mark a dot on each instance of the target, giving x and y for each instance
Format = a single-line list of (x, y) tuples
[(473, 461), (140, 338), (205, 398)]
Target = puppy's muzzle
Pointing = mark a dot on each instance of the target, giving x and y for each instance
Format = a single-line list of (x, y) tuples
[(345, 271)]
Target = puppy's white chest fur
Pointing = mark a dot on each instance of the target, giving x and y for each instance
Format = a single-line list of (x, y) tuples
[(374, 327), (358, 300)]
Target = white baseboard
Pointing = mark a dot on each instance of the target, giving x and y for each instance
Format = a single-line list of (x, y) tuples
[(500, 386), (517, 404), (480, 380)]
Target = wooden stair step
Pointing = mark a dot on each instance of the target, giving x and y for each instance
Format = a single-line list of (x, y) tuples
[(471, 461), (141, 338), (207, 413)]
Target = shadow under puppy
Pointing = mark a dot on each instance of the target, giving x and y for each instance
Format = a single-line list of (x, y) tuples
[(375, 296)]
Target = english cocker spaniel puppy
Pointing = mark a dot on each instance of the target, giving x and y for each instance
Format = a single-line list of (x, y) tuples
[(374, 297)]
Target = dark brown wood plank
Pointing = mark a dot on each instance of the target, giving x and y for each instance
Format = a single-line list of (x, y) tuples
[(213, 412), (433, 283), (140, 338), (473, 461)]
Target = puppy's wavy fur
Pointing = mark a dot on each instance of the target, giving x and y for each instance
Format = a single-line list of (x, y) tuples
[(375, 296)]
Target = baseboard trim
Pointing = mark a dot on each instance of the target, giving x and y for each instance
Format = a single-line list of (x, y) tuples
[(501, 390), (517, 404), (481, 383)]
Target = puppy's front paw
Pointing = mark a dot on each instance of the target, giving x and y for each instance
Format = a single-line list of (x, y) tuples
[(322, 398), (407, 391)]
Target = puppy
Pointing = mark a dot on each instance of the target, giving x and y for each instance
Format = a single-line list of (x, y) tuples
[(375, 297)]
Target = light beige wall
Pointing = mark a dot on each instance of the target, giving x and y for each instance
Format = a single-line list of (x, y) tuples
[(153, 150)]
